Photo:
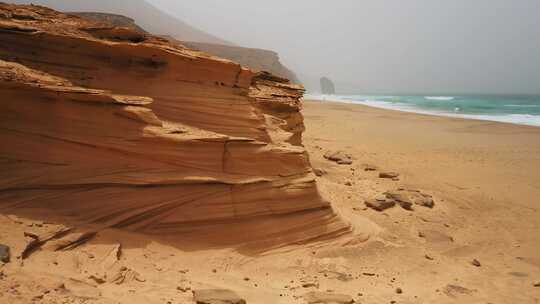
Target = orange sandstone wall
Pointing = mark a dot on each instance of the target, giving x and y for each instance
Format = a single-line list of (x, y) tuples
[(110, 127)]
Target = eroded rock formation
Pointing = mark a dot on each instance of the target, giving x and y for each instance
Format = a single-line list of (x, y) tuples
[(111, 127)]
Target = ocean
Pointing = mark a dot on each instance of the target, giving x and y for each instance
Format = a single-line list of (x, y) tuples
[(510, 109)]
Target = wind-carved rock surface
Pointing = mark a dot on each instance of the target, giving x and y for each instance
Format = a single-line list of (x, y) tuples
[(110, 127)]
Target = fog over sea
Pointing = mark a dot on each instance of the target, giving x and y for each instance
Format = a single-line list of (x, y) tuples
[(516, 109)]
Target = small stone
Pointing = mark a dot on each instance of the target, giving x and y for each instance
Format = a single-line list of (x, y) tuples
[(309, 285), (401, 198), (5, 254), (399, 290), (339, 157), (456, 290), (476, 263), (183, 288), (427, 256), (246, 279), (370, 168), (319, 172), (388, 175), (537, 284), (348, 184), (380, 205)]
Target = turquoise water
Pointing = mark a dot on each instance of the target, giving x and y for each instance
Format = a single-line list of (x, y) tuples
[(510, 109)]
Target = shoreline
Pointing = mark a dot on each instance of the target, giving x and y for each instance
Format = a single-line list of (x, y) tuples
[(503, 118)]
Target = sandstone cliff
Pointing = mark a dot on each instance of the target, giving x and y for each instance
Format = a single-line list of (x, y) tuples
[(111, 127)]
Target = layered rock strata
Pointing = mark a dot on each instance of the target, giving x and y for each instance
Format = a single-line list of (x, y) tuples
[(111, 127)]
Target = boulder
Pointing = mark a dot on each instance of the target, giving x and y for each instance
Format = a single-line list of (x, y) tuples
[(315, 297), (216, 296)]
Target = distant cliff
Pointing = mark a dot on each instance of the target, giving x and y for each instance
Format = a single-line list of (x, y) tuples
[(149, 17), (255, 59), (113, 19), (327, 86)]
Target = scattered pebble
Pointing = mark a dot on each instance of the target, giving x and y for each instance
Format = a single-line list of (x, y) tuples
[(476, 263), (319, 172), (309, 285), (399, 290), (370, 168), (5, 254), (183, 288), (380, 205), (388, 175)]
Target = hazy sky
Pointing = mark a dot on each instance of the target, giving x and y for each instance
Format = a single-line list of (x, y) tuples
[(483, 46)]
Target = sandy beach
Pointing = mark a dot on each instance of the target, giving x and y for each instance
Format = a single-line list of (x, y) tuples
[(479, 243), (484, 176)]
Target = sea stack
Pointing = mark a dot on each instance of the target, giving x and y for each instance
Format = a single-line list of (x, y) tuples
[(327, 86)]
